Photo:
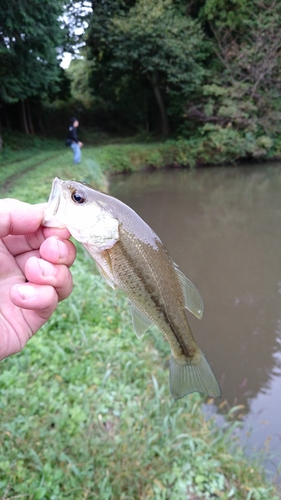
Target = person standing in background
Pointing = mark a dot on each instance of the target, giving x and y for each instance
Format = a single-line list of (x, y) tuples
[(73, 141)]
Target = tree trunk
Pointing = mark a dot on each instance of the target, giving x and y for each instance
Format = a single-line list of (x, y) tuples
[(165, 126), (42, 130), (24, 118), (5, 122), (1, 140), (29, 117), (146, 115)]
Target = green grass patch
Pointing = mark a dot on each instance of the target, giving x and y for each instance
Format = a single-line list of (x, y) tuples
[(85, 412), (30, 179), (85, 409)]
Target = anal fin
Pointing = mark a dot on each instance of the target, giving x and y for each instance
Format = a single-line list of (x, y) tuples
[(193, 299)]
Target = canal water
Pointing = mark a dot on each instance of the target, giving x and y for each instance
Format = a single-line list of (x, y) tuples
[(222, 226)]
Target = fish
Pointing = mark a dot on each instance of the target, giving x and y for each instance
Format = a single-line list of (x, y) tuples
[(131, 257)]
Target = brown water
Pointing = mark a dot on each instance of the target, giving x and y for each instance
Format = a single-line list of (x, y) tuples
[(222, 226)]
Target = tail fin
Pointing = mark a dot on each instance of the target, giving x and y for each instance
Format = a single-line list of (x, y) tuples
[(188, 377)]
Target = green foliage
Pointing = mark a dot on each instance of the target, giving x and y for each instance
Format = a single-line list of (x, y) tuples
[(157, 37), (205, 71), (153, 43), (244, 84), (30, 34), (85, 409), (210, 68), (78, 73), (227, 13)]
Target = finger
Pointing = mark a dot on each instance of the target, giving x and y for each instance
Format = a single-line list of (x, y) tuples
[(58, 251), (19, 244), (42, 299), (53, 250), (42, 272), (18, 217), (56, 231)]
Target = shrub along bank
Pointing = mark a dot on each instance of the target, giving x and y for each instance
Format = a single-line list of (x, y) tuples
[(214, 146)]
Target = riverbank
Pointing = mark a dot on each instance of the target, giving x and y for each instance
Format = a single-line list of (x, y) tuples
[(85, 409), (217, 147)]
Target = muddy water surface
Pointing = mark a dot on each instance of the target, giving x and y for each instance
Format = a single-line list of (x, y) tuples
[(222, 226)]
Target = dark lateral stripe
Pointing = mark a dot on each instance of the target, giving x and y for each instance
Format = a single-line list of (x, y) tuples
[(138, 272)]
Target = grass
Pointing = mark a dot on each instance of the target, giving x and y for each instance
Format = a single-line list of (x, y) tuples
[(85, 409)]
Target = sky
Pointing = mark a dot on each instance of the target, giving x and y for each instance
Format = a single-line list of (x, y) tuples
[(85, 7), (66, 60)]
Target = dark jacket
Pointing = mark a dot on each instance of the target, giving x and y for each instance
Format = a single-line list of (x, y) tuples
[(72, 135)]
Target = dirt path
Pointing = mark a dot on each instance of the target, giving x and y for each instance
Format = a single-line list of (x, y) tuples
[(10, 180)]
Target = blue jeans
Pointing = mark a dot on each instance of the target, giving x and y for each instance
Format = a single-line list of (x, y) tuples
[(76, 152)]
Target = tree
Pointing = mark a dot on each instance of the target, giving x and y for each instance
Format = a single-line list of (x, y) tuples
[(245, 87), (154, 43), (30, 34), (78, 74)]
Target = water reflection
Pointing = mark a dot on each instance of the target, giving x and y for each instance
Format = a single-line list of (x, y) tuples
[(222, 226)]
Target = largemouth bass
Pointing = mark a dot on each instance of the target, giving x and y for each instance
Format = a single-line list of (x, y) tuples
[(131, 257)]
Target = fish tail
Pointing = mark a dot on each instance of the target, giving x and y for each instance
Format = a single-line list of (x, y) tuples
[(193, 377)]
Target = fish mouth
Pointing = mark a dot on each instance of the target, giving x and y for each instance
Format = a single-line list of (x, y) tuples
[(53, 204), (54, 199)]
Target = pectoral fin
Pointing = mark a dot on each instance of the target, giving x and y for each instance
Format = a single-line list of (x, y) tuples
[(193, 300), (141, 323), (105, 276)]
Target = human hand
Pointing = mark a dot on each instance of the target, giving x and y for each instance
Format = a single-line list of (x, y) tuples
[(34, 274), (80, 144)]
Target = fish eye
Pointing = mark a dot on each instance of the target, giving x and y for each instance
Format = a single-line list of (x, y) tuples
[(78, 197)]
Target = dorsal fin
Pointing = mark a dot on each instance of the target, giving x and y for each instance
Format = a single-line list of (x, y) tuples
[(193, 300)]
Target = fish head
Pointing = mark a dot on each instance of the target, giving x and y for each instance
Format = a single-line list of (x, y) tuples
[(81, 210)]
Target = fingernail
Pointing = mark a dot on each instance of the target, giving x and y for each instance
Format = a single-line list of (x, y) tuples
[(47, 268), (26, 291), (63, 249)]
